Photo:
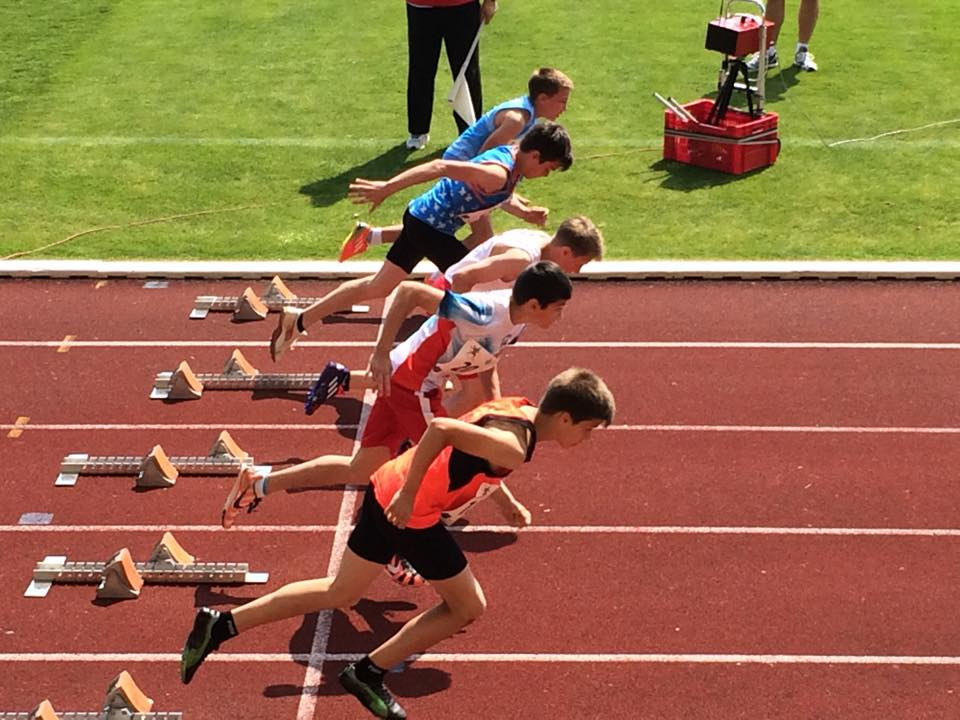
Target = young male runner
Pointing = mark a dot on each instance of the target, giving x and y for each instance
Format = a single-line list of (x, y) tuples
[(460, 341), (548, 92), (401, 512), (431, 220), (495, 264)]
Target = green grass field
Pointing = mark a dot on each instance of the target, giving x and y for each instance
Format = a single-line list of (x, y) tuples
[(119, 111)]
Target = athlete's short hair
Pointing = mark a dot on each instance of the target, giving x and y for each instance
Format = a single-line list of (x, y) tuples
[(582, 237), (551, 140), (547, 81), (580, 393), (544, 282)]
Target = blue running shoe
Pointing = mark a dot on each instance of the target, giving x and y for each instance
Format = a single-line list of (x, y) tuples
[(373, 696), (334, 379), (200, 643)]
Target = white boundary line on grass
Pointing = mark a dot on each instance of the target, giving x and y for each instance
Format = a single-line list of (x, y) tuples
[(546, 657), (584, 145), (605, 270), (509, 530)]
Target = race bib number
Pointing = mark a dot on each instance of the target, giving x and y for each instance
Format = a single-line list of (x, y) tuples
[(472, 358), (451, 516)]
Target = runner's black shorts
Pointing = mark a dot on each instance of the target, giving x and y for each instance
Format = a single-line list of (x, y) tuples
[(432, 551), (418, 240)]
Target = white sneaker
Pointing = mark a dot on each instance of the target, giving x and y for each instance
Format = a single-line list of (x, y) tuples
[(418, 142), (285, 334), (753, 63), (804, 60)]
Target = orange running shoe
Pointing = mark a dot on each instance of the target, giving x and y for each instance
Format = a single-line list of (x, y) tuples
[(241, 497), (356, 243)]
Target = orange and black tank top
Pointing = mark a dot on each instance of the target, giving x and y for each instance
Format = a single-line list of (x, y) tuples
[(455, 478)]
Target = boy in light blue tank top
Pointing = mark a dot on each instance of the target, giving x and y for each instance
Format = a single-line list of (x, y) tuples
[(548, 92), (464, 190)]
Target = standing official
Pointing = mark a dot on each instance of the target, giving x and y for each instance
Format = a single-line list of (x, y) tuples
[(430, 23)]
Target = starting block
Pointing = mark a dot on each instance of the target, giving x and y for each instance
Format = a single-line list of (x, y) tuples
[(156, 469), (249, 306), (124, 701), (238, 374), (120, 578)]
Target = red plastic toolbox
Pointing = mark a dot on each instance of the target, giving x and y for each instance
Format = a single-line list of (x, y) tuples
[(737, 35), (738, 144)]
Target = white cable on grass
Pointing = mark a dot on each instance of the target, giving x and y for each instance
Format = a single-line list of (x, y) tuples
[(893, 132)]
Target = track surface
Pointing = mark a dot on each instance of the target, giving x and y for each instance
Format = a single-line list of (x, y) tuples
[(769, 530)]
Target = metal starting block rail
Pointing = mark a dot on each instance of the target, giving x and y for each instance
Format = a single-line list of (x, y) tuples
[(250, 306), (156, 469), (119, 578), (124, 701), (238, 374)]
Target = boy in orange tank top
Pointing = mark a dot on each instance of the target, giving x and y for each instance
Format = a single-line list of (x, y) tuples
[(401, 514)]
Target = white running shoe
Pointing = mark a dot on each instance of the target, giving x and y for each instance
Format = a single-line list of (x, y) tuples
[(753, 63), (285, 334), (804, 60), (418, 142)]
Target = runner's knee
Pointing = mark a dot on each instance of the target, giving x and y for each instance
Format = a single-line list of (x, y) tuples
[(469, 609)]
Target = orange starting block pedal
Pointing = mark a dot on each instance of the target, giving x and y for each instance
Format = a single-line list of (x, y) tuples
[(156, 470), (120, 579), (44, 711), (124, 696), (249, 307)]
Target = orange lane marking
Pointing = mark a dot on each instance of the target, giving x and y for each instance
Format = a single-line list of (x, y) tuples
[(65, 345), (20, 423), (100, 284)]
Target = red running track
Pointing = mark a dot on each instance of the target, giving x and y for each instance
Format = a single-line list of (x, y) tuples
[(719, 553)]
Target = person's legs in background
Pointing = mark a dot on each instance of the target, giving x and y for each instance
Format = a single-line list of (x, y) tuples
[(806, 22), (462, 22), (424, 36)]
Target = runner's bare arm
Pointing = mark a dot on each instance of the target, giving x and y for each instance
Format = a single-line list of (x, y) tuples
[(489, 177), (505, 266), (508, 123), (520, 207), (408, 295), (512, 509), (499, 447)]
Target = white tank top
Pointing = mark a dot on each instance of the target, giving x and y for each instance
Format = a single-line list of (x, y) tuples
[(530, 241)]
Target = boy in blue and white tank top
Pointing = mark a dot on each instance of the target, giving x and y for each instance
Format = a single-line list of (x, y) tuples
[(429, 224), (548, 92)]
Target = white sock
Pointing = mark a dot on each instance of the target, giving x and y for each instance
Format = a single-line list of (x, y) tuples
[(802, 47), (376, 236), (260, 486)]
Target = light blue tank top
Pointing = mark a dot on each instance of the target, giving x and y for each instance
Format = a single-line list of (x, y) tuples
[(442, 206), (472, 139)]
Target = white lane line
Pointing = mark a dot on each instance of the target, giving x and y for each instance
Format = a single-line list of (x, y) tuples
[(597, 344), (849, 429), (546, 657), (91, 427), (852, 429), (321, 636), (509, 529)]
